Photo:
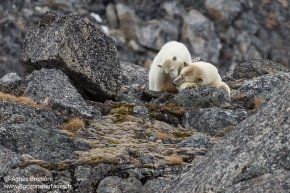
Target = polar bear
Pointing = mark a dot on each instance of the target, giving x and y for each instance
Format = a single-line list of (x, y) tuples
[(200, 74), (167, 65)]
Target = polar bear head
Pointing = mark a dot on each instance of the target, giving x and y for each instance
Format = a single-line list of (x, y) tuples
[(172, 66), (190, 73)]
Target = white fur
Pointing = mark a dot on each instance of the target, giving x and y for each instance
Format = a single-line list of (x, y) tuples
[(159, 77), (206, 74)]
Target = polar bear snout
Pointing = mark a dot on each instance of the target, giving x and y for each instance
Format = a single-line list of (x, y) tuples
[(173, 74), (178, 80)]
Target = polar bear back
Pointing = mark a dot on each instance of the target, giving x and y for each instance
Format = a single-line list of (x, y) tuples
[(171, 49), (209, 73)]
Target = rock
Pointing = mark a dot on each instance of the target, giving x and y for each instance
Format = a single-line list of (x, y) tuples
[(223, 10), (34, 131), (253, 93), (197, 140), (8, 160), (202, 97), (213, 120), (155, 186), (134, 79), (87, 177), (53, 87), (113, 184), (129, 21), (84, 53), (13, 84), (133, 74), (111, 15), (141, 111), (154, 34), (252, 158), (199, 33), (31, 175), (255, 68)]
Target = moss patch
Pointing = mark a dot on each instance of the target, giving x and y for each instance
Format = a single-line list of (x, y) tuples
[(121, 112)]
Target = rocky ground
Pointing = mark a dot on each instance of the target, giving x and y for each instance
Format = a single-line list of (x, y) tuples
[(82, 120), (223, 32)]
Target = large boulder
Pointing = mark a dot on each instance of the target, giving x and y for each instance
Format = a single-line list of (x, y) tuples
[(213, 120), (253, 93), (255, 68), (78, 48), (34, 131), (202, 97), (253, 158), (199, 33), (53, 87)]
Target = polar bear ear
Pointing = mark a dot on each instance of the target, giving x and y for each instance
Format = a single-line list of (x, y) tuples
[(174, 58), (186, 64)]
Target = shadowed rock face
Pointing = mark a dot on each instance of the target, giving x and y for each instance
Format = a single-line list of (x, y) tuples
[(256, 151), (71, 44), (34, 131), (53, 87)]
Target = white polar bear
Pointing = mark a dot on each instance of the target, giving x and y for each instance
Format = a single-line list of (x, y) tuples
[(200, 74), (167, 65)]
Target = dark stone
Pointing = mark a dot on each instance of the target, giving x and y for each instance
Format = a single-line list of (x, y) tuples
[(213, 120), (114, 184), (34, 131), (197, 140), (258, 91), (202, 97), (79, 49), (13, 84), (255, 68), (54, 88), (252, 158)]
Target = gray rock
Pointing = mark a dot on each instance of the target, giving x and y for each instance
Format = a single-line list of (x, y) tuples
[(199, 33), (34, 131), (155, 186), (255, 68), (252, 158), (111, 15), (154, 34), (202, 97), (29, 176), (113, 184), (213, 120), (260, 90), (13, 84), (54, 88), (129, 21), (278, 181), (8, 160), (197, 140), (84, 53), (223, 10), (87, 177), (141, 111), (133, 74)]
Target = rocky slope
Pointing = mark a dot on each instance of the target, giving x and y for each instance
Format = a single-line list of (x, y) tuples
[(220, 31), (82, 121)]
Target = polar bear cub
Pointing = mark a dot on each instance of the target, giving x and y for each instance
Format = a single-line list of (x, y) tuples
[(200, 74), (167, 65)]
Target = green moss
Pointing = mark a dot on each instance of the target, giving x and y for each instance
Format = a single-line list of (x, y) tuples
[(182, 134), (121, 112), (155, 110), (112, 141)]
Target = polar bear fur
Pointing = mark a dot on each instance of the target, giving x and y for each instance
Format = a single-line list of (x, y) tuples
[(167, 65), (200, 74)]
